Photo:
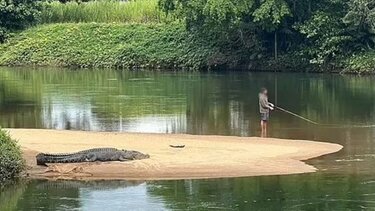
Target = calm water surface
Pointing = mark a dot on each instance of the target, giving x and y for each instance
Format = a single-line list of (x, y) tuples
[(198, 103)]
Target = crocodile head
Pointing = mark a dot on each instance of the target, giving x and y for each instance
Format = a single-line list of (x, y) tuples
[(134, 155)]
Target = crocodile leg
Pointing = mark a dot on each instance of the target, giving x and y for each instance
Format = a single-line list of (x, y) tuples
[(122, 159), (91, 157)]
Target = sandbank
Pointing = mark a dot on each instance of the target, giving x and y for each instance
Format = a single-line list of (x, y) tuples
[(202, 156)]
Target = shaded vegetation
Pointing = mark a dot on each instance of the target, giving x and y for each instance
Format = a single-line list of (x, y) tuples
[(322, 35), (16, 15), (11, 161)]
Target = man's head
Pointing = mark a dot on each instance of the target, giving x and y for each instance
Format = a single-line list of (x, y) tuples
[(263, 91)]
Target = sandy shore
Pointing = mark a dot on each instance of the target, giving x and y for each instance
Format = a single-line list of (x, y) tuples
[(202, 157)]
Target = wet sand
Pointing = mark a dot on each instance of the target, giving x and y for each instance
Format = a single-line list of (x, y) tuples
[(202, 157)]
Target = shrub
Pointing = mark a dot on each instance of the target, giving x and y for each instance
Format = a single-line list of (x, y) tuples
[(17, 14), (11, 161), (363, 62)]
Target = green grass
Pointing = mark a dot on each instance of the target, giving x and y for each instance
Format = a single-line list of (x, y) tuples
[(139, 11), (167, 46), (11, 161)]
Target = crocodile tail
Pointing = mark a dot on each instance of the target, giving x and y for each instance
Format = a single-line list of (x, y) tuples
[(42, 159)]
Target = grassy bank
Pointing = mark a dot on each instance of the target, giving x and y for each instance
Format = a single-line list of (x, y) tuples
[(11, 161), (111, 45), (150, 45), (140, 11)]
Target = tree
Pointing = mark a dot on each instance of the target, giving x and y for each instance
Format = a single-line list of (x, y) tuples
[(318, 30), (361, 23), (246, 17), (326, 37), (227, 22), (16, 14), (270, 15), (338, 29)]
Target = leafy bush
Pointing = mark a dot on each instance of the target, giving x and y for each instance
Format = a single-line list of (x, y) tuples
[(327, 38), (360, 21), (140, 11), (17, 14), (363, 62), (11, 161)]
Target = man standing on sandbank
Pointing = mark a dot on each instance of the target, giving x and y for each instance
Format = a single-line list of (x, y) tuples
[(264, 108)]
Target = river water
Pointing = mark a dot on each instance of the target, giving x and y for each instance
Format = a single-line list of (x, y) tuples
[(198, 103)]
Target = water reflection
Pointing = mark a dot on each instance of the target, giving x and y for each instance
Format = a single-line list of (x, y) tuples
[(198, 103), (298, 192), (176, 102)]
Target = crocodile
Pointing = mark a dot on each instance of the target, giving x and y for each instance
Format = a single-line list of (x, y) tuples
[(91, 155)]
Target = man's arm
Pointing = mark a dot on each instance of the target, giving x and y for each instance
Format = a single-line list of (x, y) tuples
[(271, 106), (265, 104)]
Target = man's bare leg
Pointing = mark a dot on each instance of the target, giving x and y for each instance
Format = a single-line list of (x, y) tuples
[(262, 128), (265, 129)]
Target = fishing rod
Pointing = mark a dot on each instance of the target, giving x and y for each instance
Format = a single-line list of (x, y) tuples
[(322, 124), (296, 115)]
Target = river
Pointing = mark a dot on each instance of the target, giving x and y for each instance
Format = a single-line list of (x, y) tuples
[(198, 103)]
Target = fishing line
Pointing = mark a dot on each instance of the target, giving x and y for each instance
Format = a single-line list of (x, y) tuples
[(322, 124)]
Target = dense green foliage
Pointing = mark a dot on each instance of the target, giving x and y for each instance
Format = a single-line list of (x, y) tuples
[(322, 35), (265, 19), (113, 45), (140, 11), (11, 161), (16, 14), (322, 32), (363, 62)]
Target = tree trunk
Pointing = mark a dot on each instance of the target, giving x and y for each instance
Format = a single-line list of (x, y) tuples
[(275, 47)]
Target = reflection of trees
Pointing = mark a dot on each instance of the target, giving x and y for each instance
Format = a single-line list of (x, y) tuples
[(53, 195), (328, 98), (48, 198), (301, 192), (9, 196), (215, 100), (217, 105), (207, 103), (27, 196), (88, 99), (19, 106)]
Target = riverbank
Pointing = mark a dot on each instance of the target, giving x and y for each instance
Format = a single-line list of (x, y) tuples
[(202, 157), (110, 45), (150, 46)]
